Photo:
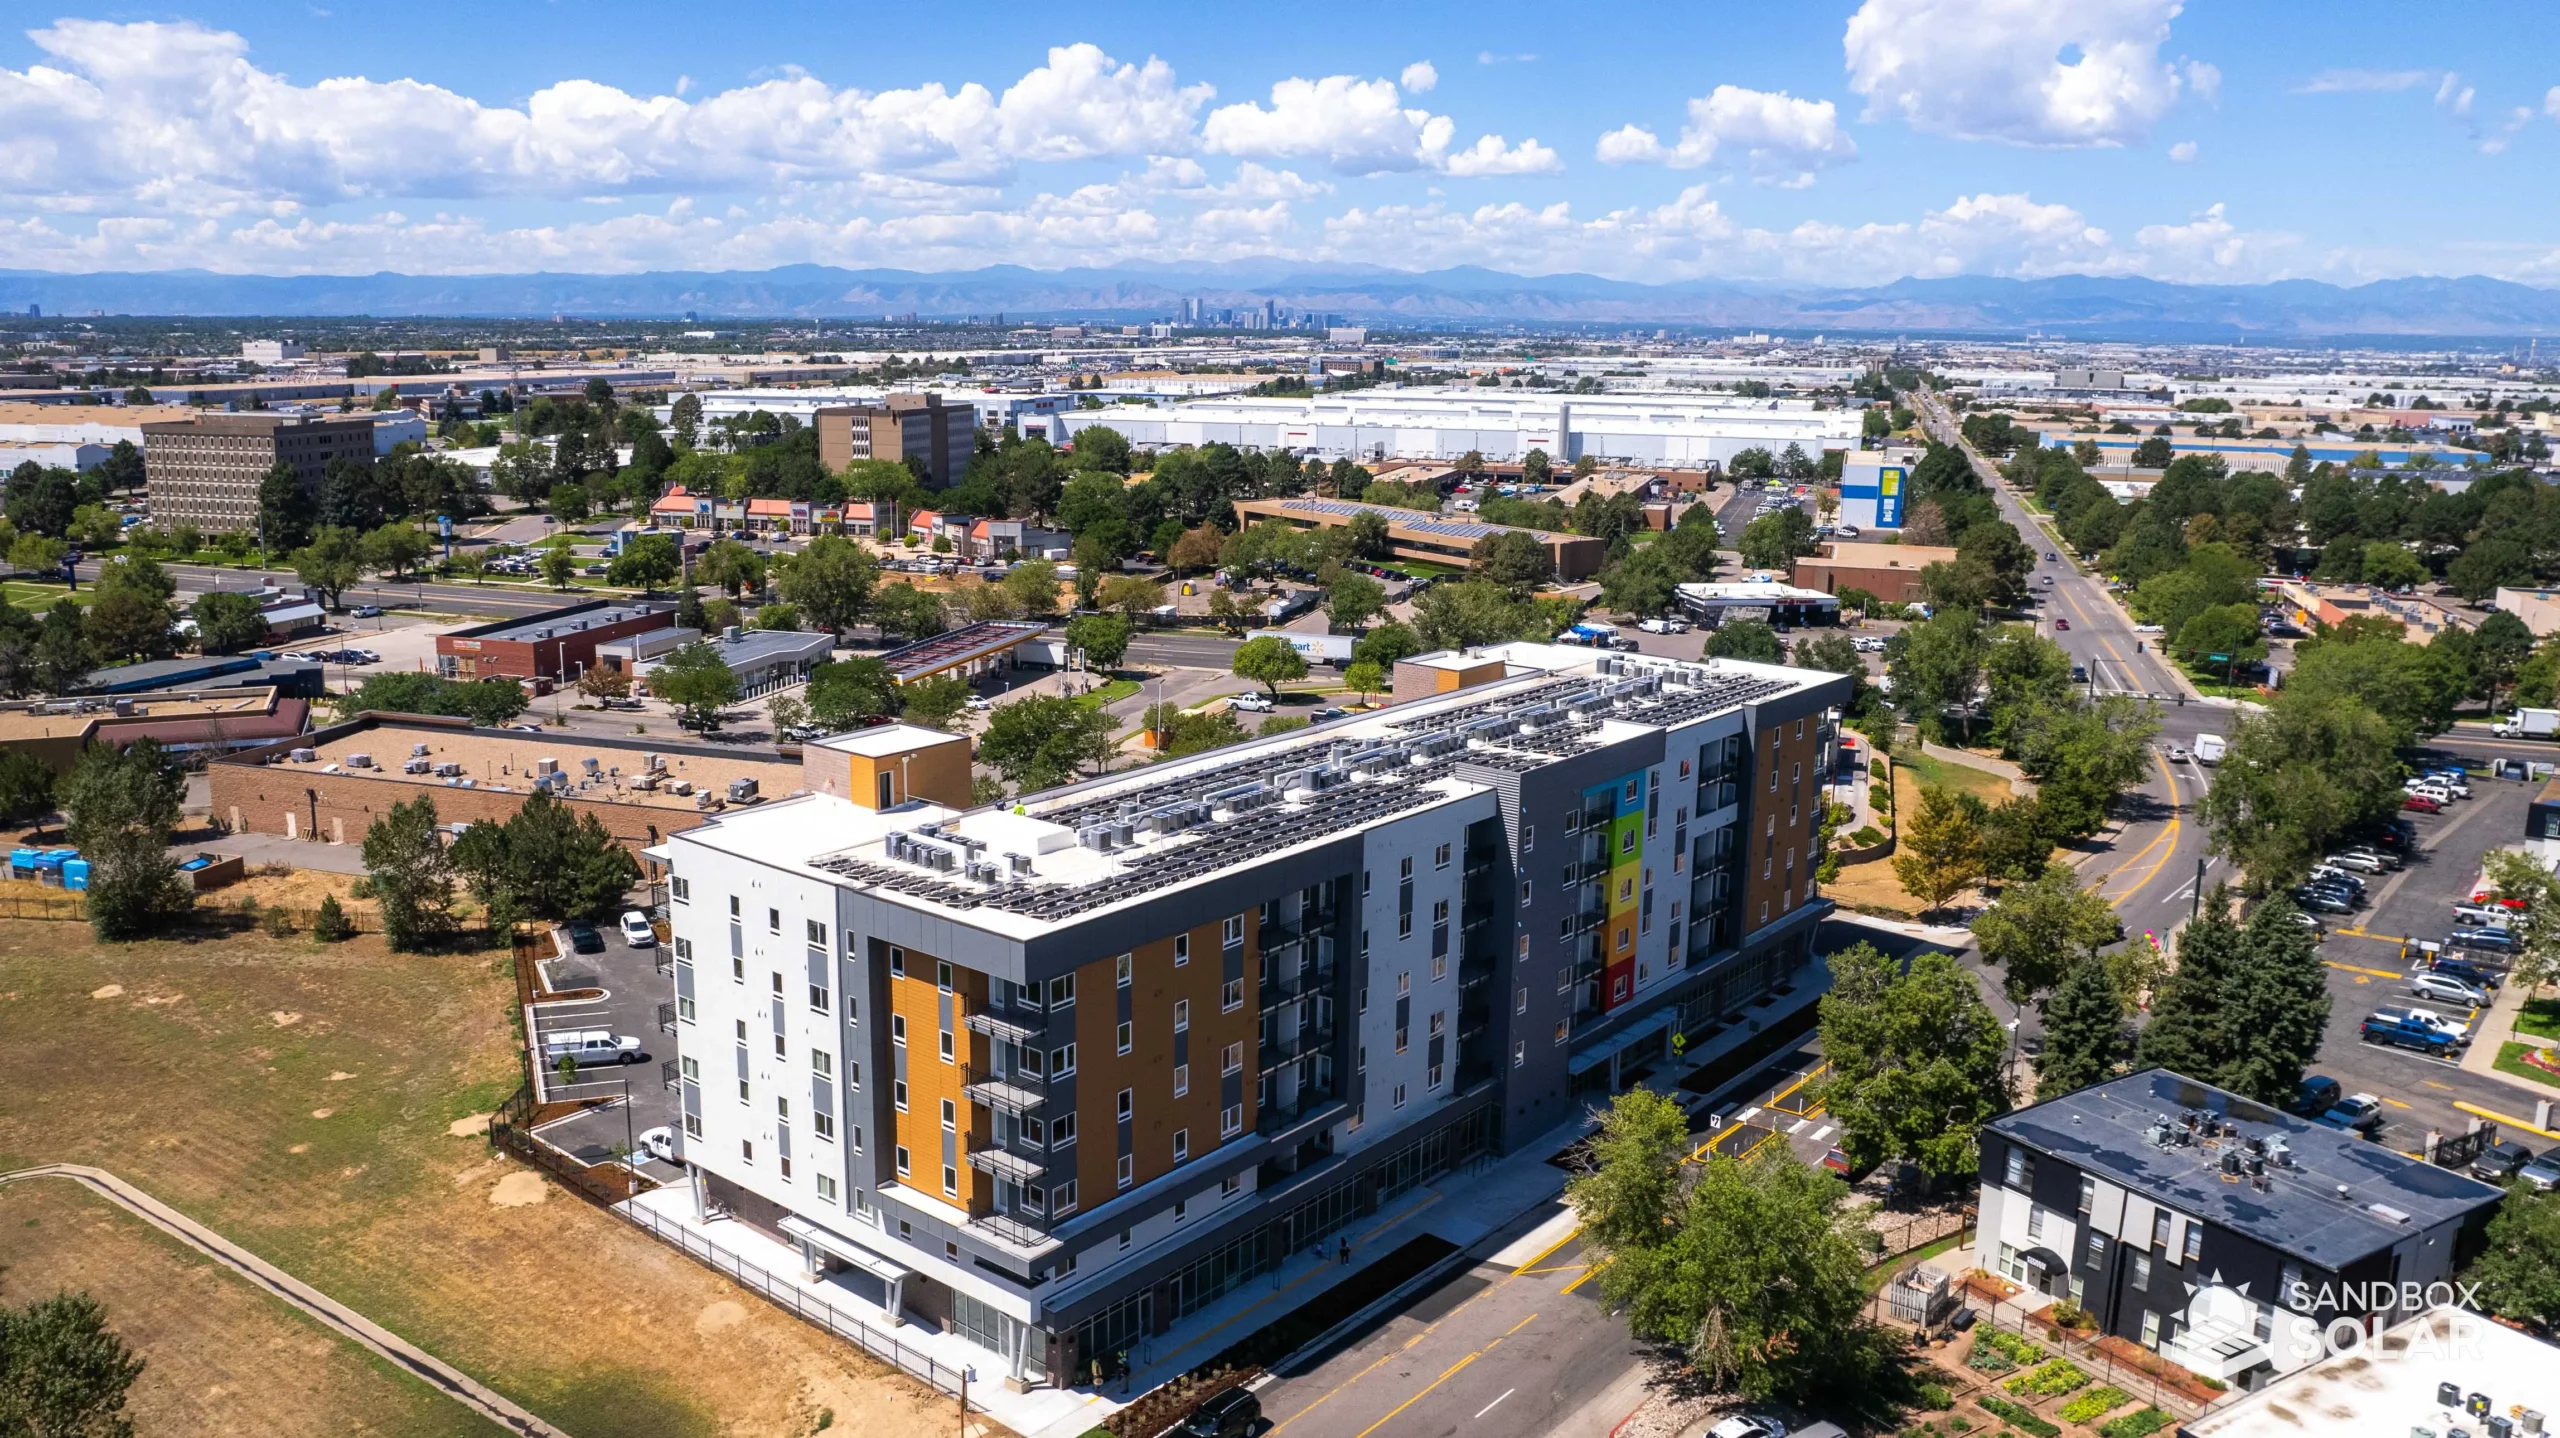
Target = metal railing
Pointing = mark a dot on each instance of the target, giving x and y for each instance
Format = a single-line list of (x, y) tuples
[(1018, 1091), (796, 1298), (666, 1018)]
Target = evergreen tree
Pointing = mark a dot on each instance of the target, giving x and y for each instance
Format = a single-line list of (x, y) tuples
[(2275, 1007), (61, 649), (285, 510), (63, 1372), (122, 807), (2186, 1033), (2083, 1031), (405, 858)]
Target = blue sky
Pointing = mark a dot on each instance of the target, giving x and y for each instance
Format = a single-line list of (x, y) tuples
[(1830, 144)]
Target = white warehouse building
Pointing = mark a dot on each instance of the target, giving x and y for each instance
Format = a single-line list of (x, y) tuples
[(1679, 430)]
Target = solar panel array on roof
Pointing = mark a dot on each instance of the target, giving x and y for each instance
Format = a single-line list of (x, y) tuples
[(1213, 818)]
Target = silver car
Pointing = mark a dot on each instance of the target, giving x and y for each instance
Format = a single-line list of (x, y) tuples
[(2446, 988)]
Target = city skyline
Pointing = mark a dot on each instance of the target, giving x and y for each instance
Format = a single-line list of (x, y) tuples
[(1834, 146)]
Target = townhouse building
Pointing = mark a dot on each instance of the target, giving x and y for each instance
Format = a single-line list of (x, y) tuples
[(1057, 1073), (2221, 1233)]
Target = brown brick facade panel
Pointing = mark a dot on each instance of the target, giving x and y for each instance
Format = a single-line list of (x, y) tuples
[(1781, 822)]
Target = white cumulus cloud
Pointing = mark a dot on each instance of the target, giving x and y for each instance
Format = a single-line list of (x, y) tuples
[(2026, 72), (1361, 127), (1419, 77), (177, 116), (2183, 152), (2359, 82), (1777, 137)]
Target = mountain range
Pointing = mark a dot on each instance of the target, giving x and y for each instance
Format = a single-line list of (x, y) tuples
[(2398, 311)]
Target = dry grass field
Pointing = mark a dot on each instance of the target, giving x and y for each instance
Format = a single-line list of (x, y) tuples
[(321, 1106)]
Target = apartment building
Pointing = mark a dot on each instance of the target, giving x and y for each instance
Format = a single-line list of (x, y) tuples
[(2218, 1232), (1057, 1073), (939, 436), (206, 470)]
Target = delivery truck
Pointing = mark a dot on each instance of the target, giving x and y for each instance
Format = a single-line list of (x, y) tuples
[(2209, 748), (2529, 724), (1334, 649)]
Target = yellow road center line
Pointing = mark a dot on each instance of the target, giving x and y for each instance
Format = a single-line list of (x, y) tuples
[(1542, 1254), (2168, 835), (1418, 1397), (1523, 1323)]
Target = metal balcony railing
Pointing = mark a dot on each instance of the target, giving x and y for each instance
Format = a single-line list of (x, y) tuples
[(1022, 1228), (1021, 1027), (1004, 1163), (1013, 1092)]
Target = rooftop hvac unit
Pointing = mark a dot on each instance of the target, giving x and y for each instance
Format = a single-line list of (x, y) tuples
[(706, 800), (653, 762), (449, 769), (1122, 834), (359, 761), (591, 764), (1019, 863), (1095, 836), (305, 756), (418, 766), (741, 790), (647, 781), (680, 787), (545, 768), (418, 751), (983, 873)]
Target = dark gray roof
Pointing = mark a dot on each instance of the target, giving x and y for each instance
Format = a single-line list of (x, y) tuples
[(563, 622), (2103, 1129)]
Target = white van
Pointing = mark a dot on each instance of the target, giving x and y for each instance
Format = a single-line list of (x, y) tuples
[(590, 1048)]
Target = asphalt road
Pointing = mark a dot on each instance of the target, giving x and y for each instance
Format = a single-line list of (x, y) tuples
[(500, 600), (1527, 1351)]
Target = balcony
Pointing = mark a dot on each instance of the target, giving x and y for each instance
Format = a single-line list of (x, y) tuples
[(1021, 1228), (1291, 1043), (1274, 1117), (1012, 1092), (1299, 978), (1019, 1026), (1475, 971), (1004, 1163), (1589, 958)]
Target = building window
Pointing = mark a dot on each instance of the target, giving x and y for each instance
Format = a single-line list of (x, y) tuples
[(1520, 1054), (1128, 1104), (898, 1095), (683, 889), (1231, 1122), (1404, 926), (2150, 1329), (1128, 1171), (950, 1181), (1181, 1080), (1433, 1079), (1062, 1199), (950, 1117), (857, 1138), (746, 1150), (1126, 1038), (1182, 1016), (1404, 867), (1062, 991), (1401, 1031), (898, 1029), (2142, 1271), (1062, 1061), (2035, 1222), (1181, 950), (1232, 931), (781, 1049), (897, 962), (1440, 966), (1230, 1186), (1528, 837), (2160, 1229), (1181, 1144), (942, 976), (2088, 1192), (2195, 1241), (817, 934), (1564, 1027), (773, 920), (2021, 1171), (737, 968), (818, 998), (1231, 1059), (1564, 979), (1062, 1130), (1399, 1096), (902, 1161), (1231, 996), (1524, 893), (684, 951), (1440, 911), (1440, 857), (2097, 1249), (826, 1188), (1124, 969)]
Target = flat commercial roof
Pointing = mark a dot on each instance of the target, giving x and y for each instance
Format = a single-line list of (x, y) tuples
[(2388, 1385), (882, 740), (1881, 556), (560, 623), (2389, 1195), (504, 761), (1467, 530), (928, 657), (62, 718)]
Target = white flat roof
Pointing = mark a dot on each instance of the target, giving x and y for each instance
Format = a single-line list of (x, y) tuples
[(880, 741), (2389, 1386)]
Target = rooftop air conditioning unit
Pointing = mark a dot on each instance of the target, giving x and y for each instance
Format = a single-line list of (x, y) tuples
[(305, 756), (359, 761), (741, 790), (418, 766)]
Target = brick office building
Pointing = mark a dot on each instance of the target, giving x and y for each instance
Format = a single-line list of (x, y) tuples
[(641, 791), (939, 436), (206, 471), (555, 644)]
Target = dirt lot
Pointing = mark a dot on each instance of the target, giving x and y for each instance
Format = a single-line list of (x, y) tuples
[(320, 1105)]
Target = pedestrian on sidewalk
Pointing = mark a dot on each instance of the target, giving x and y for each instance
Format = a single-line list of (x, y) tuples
[(1124, 1370), (1346, 1253)]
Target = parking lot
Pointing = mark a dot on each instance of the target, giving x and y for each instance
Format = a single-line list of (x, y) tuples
[(636, 995), (2372, 955)]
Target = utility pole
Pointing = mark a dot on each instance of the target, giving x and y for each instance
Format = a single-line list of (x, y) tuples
[(2195, 904)]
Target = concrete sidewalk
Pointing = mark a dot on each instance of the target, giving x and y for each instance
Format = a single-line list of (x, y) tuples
[(2495, 1028)]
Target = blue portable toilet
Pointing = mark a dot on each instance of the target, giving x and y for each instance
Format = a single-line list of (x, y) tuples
[(22, 862), (75, 873)]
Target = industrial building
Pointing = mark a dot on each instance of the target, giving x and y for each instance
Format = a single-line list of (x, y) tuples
[(1873, 486), (1412, 534), (211, 722), (763, 659), (205, 470), (1676, 429), (2214, 1230), (1055, 1074), (331, 784), (937, 435), (557, 644), (1890, 572)]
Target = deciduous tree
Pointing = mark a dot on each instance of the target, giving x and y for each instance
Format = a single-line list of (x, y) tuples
[(1916, 1059), (2041, 931), (63, 1372), (699, 683), (121, 807), (1940, 851), (1269, 662)]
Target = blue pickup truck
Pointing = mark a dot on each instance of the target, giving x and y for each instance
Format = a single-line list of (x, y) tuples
[(2409, 1031)]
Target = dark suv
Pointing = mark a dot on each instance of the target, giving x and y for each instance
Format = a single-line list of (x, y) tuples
[(1232, 1414)]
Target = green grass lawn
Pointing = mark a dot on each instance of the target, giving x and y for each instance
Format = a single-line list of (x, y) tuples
[(2511, 1061), (2540, 1017), (1882, 1273), (1110, 693), (1939, 774)]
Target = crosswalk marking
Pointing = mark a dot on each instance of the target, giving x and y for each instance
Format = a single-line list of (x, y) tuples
[(1824, 1132), (1797, 1127)]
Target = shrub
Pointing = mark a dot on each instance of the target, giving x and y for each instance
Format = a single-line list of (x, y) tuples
[(2094, 1404), (1867, 837), (2016, 1347), (1987, 1359), (2135, 1425), (2053, 1379), (278, 923), (1937, 1397), (2022, 1419), (332, 925)]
